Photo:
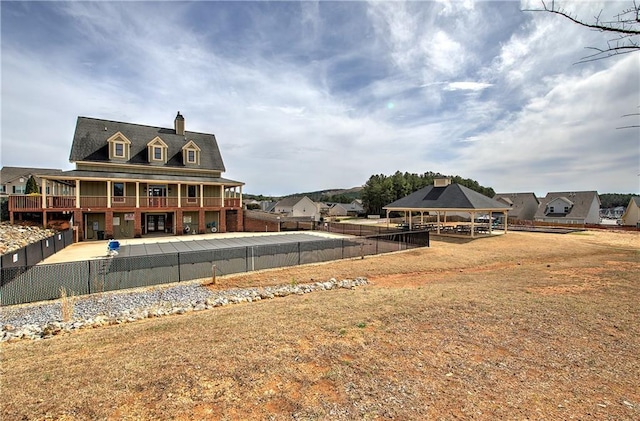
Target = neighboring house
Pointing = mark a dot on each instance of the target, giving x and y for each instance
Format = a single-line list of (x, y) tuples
[(346, 209), (13, 180), (631, 215), (581, 207), (132, 180), (297, 207), (614, 213), (522, 206)]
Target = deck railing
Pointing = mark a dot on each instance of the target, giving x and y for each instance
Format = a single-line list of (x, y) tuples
[(25, 203)]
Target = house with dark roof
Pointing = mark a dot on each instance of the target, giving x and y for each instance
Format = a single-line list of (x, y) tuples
[(346, 209), (522, 206), (444, 197), (297, 207), (631, 216), (582, 207), (13, 180), (132, 180)]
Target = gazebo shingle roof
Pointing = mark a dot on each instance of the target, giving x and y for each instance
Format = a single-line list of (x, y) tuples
[(453, 196)]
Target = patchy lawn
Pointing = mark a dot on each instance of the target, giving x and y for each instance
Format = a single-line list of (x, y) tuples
[(522, 326)]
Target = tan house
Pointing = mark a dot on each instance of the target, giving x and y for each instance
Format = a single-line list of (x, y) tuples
[(133, 180), (13, 180), (297, 207), (631, 215)]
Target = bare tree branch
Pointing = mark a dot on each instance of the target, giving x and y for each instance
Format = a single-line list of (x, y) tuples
[(626, 26)]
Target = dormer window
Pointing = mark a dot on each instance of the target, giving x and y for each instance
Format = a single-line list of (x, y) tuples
[(191, 154), (118, 150), (157, 151), (118, 147)]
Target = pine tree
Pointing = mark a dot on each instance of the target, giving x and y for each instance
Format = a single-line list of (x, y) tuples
[(32, 186)]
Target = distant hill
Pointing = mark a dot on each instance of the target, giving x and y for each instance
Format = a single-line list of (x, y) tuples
[(328, 195), (333, 195)]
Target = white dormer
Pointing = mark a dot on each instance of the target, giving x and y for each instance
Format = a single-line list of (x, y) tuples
[(119, 147), (157, 151), (191, 154)]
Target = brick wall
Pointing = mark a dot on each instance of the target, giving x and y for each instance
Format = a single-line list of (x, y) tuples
[(260, 225)]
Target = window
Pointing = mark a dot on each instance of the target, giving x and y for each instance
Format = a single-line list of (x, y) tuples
[(19, 189), (157, 153), (191, 154), (118, 189), (118, 150), (566, 209), (191, 191), (551, 209)]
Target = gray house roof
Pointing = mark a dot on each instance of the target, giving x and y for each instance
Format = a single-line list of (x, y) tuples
[(453, 196), (8, 174), (519, 204), (90, 143), (580, 204)]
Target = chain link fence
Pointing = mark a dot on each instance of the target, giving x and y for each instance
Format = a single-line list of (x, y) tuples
[(44, 282)]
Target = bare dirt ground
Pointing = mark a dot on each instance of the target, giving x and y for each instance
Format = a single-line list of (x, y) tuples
[(522, 326)]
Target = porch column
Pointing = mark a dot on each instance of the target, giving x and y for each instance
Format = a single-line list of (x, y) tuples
[(108, 224), (137, 196), (44, 219), (202, 228), (241, 198), (78, 223), (222, 195), (44, 195), (78, 194), (108, 193), (438, 222), (137, 224), (201, 195), (178, 223), (179, 195)]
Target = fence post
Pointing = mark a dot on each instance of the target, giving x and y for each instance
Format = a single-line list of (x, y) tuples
[(179, 268), (246, 259), (299, 258), (89, 276)]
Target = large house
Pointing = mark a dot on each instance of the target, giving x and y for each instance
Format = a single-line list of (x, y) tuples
[(133, 180), (522, 206), (582, 207)]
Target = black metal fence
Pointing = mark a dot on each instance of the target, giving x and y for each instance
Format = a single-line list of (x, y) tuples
[(23, 284), (34, 253)]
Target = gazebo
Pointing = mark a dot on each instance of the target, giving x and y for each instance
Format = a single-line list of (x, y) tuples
[(444, 196)]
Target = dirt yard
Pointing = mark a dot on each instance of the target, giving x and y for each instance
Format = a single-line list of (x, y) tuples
[(522, 326)]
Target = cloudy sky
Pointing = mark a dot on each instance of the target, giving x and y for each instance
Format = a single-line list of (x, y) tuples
[(304, 96)]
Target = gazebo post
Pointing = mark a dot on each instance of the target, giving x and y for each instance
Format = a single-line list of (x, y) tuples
[(438, 223), (505, 221), (473, 226)]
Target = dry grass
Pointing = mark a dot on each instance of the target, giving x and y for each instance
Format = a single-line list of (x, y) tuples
[(525, 326)]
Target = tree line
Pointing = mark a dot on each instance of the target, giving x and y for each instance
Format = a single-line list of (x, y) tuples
[(613, 200), (380, 189)]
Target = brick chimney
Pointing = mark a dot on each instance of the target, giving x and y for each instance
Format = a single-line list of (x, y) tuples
[(178, 124)]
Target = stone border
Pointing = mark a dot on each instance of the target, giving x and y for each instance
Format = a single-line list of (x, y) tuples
[(9, 333)]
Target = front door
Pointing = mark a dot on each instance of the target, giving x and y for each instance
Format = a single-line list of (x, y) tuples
[(155, 223), (157, 196)]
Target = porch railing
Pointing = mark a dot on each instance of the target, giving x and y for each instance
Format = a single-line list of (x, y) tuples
[(34, 202)]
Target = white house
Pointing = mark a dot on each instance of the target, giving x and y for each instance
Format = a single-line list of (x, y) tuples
[(582, 207)]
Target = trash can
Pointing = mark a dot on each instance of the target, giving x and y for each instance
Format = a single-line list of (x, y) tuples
[(100, 235)]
